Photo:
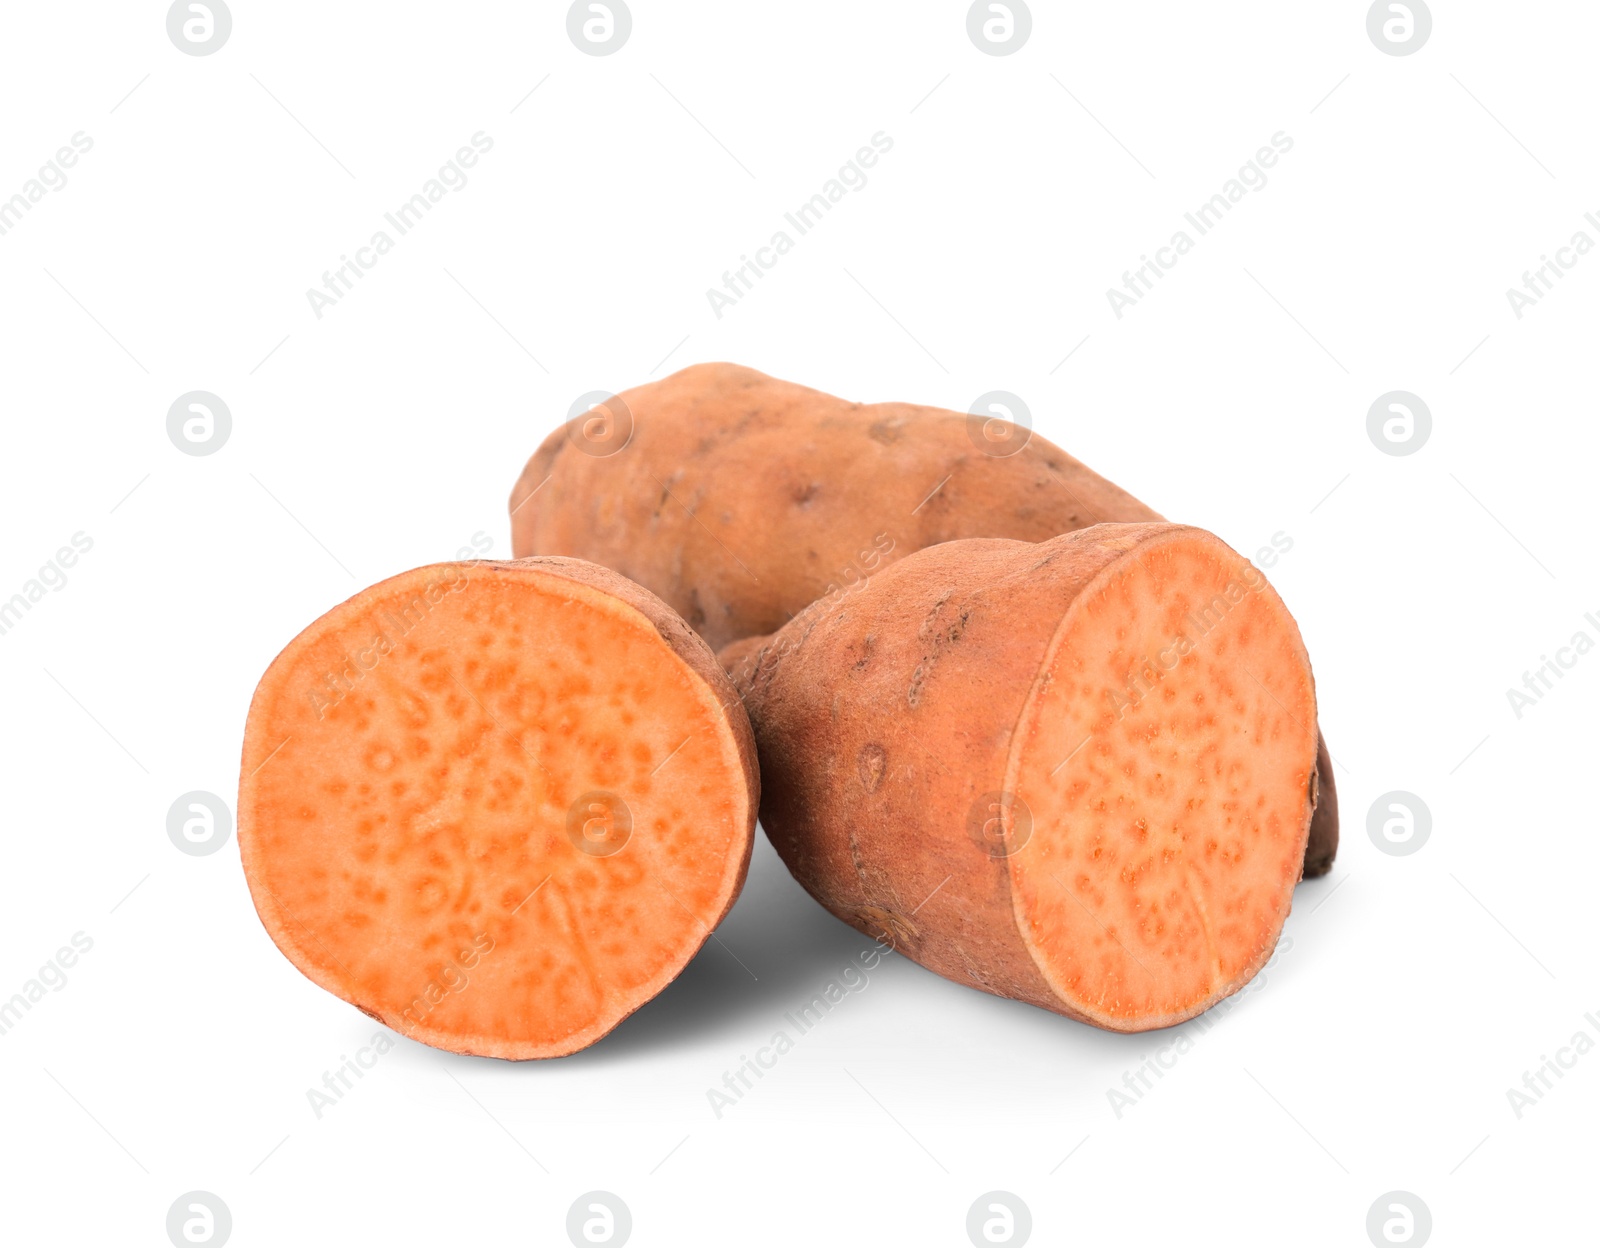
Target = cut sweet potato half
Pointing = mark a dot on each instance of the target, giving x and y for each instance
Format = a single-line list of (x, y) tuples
[(1077, 773), (496, 806)]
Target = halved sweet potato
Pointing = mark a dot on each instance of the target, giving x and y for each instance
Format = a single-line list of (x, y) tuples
[(496, 806), (1075, 773)]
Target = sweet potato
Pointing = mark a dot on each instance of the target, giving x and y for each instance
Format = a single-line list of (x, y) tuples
[(739, 499), (1074, 773), (496, 806)]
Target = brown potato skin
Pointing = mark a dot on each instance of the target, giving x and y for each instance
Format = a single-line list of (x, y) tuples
[(881, 722), (1324, 842), (793, 494), (739, 499)]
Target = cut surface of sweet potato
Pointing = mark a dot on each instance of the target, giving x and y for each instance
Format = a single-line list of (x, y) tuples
[(1163, 755), (497, 806)]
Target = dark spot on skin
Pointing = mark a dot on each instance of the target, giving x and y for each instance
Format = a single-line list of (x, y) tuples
[(929, 620), (667, 493), (803, 494), (884, 431)]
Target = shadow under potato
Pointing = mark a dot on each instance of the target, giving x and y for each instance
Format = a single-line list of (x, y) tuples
[(788, 947), (791, 947)]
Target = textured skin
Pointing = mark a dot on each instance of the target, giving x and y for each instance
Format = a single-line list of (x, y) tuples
[(739, 499), (881, 721)]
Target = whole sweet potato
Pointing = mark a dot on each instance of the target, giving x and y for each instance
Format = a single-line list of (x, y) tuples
[(739, 499)]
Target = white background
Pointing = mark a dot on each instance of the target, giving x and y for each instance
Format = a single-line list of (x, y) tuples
[(1417, 990)]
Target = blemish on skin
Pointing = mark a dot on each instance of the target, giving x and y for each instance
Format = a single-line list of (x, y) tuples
[(870, 765)]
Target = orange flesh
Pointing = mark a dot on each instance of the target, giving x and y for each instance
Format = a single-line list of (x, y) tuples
[(1167, 784), (404, 813)]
